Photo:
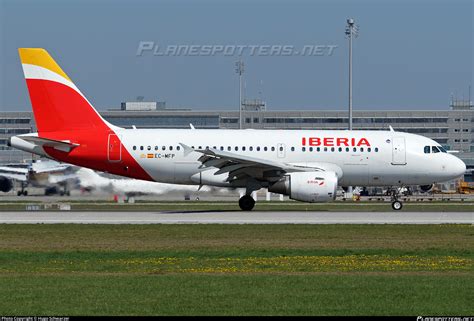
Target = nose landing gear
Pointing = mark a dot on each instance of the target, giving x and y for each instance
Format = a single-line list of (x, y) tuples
[(396, 203)]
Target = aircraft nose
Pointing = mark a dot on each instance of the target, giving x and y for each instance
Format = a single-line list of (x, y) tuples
[(457, 167)]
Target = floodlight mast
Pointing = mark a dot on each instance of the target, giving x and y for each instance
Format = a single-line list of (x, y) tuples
[(352, 30), (239, 69)]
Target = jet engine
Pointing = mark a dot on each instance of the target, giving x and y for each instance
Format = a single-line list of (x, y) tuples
[(6, 184), (307, 186), (426, 188)]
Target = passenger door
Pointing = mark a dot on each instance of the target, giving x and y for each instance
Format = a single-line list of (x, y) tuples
[(398, 151), (114, 149)]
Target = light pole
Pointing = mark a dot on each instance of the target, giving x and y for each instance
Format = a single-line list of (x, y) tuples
[(352, 30), (239, 69)]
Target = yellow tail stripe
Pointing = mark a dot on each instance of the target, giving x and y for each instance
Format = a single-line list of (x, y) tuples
[(40, 57)]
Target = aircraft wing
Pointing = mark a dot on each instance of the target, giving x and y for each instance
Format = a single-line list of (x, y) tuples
[(49, 166), (241, 167), (19, 174)]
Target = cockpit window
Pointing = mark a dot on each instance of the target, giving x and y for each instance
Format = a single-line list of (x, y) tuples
[(442, 149), (427, 149), (435, 149)]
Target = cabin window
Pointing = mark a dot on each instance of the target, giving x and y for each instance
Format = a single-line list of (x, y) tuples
[(222, 147), (250, 148), (318, 149), (243, 148), (178, 148), (332, 149), (134, 147), (149, 147), (265, 148), (258, 148), (292, 149), (141, 147), (354, 149), (229, 148), (273, 149), (362, 149), (376, 149), (303, 149), (236, 148), (340, 149), (171, 147), (163, 148), (281, 148), (369, 149), (347, 149)]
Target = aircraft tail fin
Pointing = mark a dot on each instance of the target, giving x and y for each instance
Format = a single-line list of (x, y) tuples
[(58, 105)]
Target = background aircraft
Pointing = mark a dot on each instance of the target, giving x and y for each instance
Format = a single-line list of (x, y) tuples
[(53, 176)]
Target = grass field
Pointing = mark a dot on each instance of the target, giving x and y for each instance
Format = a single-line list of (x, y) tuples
[(236, 270)]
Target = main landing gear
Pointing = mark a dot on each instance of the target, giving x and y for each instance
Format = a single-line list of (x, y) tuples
[(246, 203), (23, 190)]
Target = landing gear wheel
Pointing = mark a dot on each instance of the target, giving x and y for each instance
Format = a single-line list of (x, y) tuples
[(246, 203), (397, 205)]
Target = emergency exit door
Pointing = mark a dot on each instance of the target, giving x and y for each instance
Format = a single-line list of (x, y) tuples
[(281, 150)]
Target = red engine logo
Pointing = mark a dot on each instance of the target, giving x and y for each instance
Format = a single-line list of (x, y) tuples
[(314, 181)]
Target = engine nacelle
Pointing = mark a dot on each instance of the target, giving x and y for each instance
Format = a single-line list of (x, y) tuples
[(307, 186), (6, 185), (426, 188)]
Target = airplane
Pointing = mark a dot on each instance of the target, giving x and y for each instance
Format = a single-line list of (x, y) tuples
[(95, 182), (306, 165), (47, 174)]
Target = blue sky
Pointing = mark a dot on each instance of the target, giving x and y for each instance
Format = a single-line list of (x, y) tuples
[(409, 54)]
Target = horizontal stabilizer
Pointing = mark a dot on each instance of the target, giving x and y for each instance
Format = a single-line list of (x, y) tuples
[(62, 145)]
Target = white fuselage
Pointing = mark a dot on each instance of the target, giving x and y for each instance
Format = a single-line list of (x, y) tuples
[(361, 158)]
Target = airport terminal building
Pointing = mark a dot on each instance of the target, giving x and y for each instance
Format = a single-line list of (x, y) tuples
[(453, 128)]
